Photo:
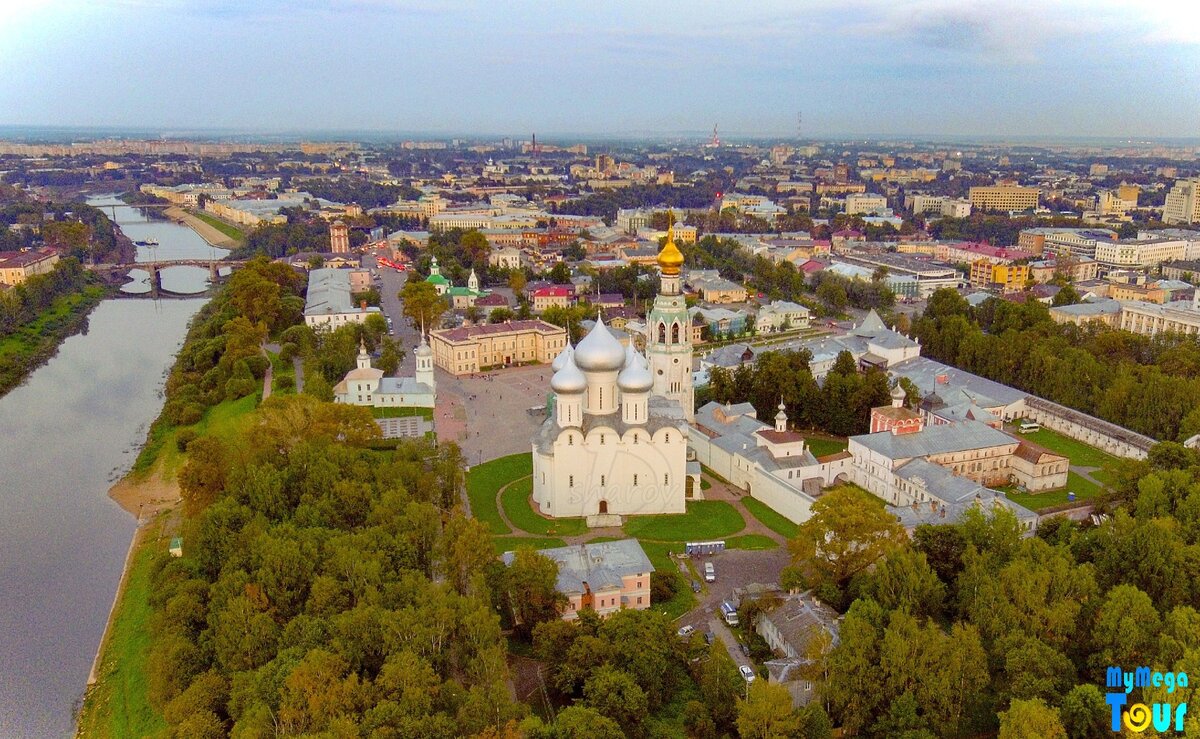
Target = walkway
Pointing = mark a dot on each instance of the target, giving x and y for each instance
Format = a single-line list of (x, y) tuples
[(204, 230)]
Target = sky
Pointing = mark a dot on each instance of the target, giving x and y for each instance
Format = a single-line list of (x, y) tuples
[(607, 67)]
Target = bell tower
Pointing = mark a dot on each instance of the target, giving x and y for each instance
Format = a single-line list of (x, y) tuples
[(669, 331)]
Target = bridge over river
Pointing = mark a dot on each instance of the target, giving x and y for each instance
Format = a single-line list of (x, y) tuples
[(157, 267)]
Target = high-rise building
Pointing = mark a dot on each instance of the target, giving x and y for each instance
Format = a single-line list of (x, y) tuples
[(668, 332), (339, 238), (1183, 202)]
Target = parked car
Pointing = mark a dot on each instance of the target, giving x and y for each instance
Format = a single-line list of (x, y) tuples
[(710, 572), (686, 631), (695, 587), (747, 673)]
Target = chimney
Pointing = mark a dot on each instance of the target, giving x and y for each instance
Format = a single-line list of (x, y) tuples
[(362, 304), (943, 511), (943, 379)]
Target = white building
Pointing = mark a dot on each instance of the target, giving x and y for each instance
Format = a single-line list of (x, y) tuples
[(616, 443), (865, 203), (1142, 252), (1183, 202), (609, 449), (781, 315), (506, 258), (771, 464), (366, 385), (329, 301)]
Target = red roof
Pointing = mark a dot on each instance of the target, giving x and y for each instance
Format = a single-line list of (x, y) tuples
[(554, 291)]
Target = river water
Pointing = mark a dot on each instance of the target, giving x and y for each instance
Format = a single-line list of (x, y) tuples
[(66, 435), (174, 242)]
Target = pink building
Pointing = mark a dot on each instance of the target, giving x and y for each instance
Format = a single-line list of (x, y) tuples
[(606, 576)]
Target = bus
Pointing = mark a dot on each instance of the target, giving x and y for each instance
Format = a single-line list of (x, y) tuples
[(1026, 427), (729, 613)]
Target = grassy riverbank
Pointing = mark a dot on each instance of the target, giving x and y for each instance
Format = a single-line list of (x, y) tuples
[(232, 232), (35, 342), (117, 704)]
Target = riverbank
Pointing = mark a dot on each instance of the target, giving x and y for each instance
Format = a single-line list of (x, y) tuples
[(116, 703), (36, 342), (204, 230)]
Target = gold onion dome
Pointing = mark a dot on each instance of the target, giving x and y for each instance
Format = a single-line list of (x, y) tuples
[(670, 259)]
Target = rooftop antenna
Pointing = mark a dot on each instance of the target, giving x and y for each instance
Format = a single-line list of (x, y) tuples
[(716, 140), (799, 120)]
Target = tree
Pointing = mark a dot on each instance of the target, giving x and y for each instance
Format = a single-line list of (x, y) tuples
[(848, 531), (1067, 295), (905, 580), (614, 694), (422, 304), (766, 713), (476, 249), (202, 477), (721, 685), (833, 295), (560, 273), (516, 281), (581, 722), (1030, 718), (1084, 712), (1127, 627), (500, 315), (531, 590)]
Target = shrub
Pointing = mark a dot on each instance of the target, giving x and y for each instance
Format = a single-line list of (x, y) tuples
[(185, 437)]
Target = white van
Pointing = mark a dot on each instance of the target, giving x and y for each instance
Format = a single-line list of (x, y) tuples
[(729, 613), (710, 572), (1027, 427)]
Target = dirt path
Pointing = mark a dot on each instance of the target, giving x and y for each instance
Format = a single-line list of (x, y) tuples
[(204, 230)]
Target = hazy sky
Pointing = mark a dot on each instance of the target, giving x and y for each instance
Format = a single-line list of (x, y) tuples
[(1094, 68)]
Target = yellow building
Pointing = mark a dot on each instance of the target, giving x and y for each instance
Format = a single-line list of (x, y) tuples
[(1009, 277), (468, 349), (1003, 197), (16, 267)]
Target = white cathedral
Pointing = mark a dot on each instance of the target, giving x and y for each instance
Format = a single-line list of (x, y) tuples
[(616, 443)]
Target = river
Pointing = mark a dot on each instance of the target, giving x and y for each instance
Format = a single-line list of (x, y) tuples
[(66, 435)]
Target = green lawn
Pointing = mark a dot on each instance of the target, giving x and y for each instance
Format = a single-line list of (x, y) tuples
[(232, 232), (485, 480), (769, 518), (515, 499), (1082, 488), (750, 541), (1079, 453), (821, 446), (704, 520), (504, 544), (117, 706), (684, 599), (426, 413), (223, 421)]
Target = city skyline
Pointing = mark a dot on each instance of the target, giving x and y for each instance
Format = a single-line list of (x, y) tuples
[(941, 69)]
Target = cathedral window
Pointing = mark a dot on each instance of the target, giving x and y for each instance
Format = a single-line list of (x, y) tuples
[(570, 481), (668, 439), (674, 333), (662, 333), (635, 440), (666, 478), (570, 440), (601, 439), (635, 478), (601, 480)]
